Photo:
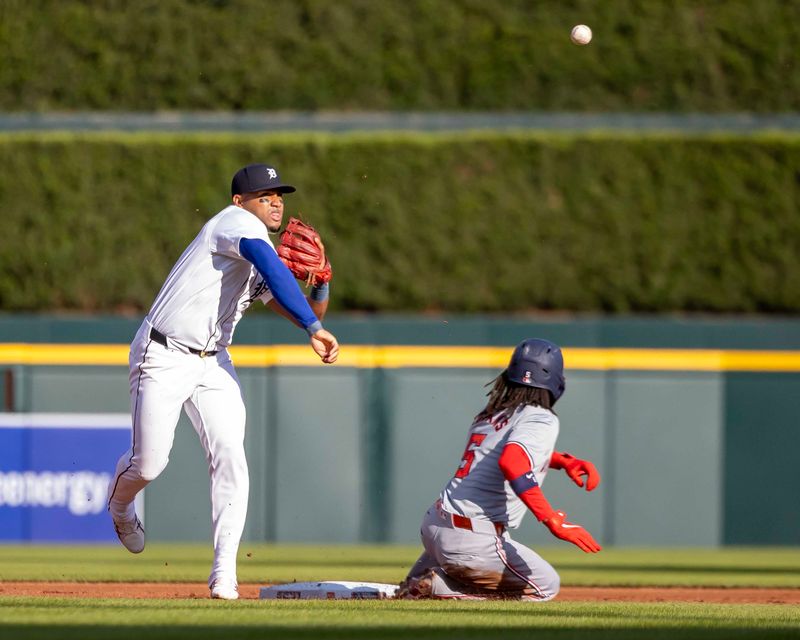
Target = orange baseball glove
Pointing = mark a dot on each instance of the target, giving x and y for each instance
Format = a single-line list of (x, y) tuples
[(302, 251)]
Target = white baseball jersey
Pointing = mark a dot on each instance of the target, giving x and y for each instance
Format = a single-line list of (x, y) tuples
[(211, 285), (479, 489), (198, 307)]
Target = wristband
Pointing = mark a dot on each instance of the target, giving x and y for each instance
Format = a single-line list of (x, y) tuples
[(313, 328), (320, 292), (523, 483)]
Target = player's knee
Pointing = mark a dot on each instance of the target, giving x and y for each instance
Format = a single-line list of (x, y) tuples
[(551, 586), (149, 475), (149, 470), (555, 586)]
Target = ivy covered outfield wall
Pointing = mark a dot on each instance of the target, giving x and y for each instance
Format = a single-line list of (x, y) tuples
[(651, 55), (414, 222)]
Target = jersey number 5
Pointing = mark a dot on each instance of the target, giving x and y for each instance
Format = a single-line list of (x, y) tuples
[(469, 454)]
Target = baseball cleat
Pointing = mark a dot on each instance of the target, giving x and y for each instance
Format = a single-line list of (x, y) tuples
[(416, 588), (130, 534), (222, 589)]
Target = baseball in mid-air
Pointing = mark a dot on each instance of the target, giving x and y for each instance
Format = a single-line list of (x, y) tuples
[(581, 34)]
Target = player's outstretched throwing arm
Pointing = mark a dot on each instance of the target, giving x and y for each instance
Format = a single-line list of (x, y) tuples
[(516, 467), (284, 289)]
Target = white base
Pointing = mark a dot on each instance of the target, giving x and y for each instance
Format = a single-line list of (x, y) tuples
[(333, 590)]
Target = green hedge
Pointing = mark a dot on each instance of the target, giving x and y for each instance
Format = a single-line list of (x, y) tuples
[(676, 55), (481, 222)]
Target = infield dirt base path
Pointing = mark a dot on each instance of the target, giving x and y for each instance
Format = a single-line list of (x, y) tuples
[(164, 590)]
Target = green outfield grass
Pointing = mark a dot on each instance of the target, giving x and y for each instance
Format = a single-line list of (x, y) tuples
[(51, 617), (32, 618)]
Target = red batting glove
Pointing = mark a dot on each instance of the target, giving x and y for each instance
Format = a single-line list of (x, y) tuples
[(575, 468), (573, 533)]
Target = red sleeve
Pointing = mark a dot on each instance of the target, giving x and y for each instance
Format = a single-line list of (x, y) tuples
[(514, 461), (516, 464)]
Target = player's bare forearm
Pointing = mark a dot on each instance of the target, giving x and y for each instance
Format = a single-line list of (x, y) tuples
[(323, 342), (277, 308), (319, 308)]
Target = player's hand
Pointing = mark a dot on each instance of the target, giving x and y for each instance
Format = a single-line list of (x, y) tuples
[(322, 255), (574, 533), (325, 345), (576, 468)]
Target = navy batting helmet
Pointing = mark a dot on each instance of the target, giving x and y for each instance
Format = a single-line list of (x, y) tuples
[(538, 363)]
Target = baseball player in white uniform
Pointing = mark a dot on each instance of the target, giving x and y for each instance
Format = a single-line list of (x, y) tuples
[(469, 553), (179, 360)]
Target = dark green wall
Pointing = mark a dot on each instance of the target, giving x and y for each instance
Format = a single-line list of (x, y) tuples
[(762, 446), (345, 454), (574, 330)]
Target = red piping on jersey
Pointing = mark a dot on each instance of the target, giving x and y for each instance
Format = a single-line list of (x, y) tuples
[(498, 547)]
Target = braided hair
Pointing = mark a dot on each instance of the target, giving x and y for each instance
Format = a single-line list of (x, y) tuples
[(507, 395)]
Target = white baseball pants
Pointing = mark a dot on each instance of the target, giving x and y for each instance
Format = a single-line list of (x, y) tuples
[(162, 381), (482, 564)]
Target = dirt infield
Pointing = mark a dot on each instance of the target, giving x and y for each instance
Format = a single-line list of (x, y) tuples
[(163, 590)]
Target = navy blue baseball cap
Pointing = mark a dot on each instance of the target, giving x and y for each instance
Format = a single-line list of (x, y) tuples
[(258, 177)]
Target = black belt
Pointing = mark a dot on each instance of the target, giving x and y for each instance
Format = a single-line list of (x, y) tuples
[(160, 338)]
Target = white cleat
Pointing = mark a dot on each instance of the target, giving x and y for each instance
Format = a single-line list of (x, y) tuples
[(222, 589), (131, 534)]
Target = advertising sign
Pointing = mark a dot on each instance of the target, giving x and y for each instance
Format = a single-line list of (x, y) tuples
[(54, 475)]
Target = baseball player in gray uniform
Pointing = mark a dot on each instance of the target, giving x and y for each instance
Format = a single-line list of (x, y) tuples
[(179, 360), (469, 553)]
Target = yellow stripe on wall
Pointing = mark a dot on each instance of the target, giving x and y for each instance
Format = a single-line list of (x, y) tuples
[(66, 354), (390, 356)]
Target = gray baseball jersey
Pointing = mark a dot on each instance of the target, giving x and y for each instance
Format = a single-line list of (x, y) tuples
[(479, 489)]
